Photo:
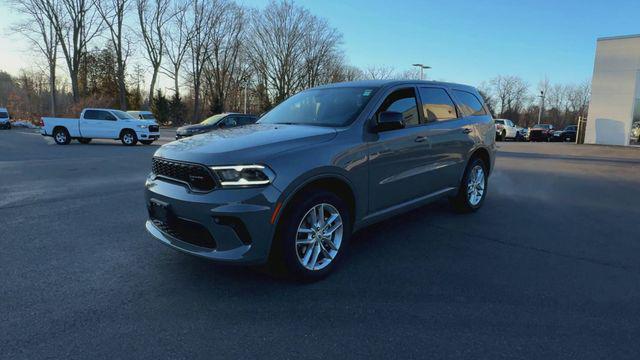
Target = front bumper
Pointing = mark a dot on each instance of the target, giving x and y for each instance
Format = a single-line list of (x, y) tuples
[(238, 220), (145, 135)]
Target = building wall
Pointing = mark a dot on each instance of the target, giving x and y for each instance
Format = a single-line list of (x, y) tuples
[(614, 88)]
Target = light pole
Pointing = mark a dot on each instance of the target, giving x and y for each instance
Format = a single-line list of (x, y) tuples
[(245, 96), (422, 67), (541, 106)]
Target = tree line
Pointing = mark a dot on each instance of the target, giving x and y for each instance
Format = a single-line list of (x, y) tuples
[(218, 55)]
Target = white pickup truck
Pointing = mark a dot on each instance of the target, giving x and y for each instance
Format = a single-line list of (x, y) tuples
[(100, 124)]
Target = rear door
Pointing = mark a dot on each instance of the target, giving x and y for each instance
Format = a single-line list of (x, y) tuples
[(449, 134), (98, 124)]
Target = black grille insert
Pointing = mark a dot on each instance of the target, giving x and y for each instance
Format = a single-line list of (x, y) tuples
[(187, 231), (154, 128), (198, 177)]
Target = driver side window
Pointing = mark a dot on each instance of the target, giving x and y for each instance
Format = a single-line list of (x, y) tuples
[(404, 102)]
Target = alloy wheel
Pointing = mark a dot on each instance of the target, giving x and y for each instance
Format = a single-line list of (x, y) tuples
[(319, 237), (475, 185)]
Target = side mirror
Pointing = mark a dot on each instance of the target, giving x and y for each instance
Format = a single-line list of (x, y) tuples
[(390, 120)]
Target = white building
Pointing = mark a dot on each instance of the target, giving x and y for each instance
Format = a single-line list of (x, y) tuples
[(614, 110)]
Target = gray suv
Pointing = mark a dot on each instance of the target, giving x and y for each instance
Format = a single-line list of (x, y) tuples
[(289, 190)]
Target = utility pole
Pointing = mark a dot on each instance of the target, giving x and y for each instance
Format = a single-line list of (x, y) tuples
[(541, 106), (422, 67), (245, 97)]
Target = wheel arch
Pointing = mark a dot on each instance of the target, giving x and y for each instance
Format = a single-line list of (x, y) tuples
[(483, 154), (122, 131)]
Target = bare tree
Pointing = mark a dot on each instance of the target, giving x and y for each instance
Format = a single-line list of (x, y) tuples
[(75, 23), (578, 97), (153, 16), (227, 32), (113, 15), (178, 42), (201, 11), (378, 72), (320, 48), (39, 30), (276, 48), (511, 93)]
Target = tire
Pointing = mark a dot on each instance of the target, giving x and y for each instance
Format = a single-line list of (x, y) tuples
[(128, 138), (61, 136), (146, 142), (292, 253), (465, 201), (84, 140)]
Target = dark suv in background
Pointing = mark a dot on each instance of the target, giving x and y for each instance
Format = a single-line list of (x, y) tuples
[(290, 190), (220, 121)]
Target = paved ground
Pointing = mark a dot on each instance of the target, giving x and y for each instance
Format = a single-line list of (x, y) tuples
[(549, 268)]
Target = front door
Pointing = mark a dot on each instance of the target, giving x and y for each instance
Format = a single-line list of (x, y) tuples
[(98, 124), (398, 159)]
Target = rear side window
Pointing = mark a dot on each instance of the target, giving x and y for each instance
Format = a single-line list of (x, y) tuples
[(470, 104), (437, 104), (98, 115), (402, 101)]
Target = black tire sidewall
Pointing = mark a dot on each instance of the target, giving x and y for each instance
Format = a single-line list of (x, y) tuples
[(286, 236), (461, 201)]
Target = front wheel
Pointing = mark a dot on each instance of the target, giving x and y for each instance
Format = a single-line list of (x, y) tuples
[(313, 236), (129, 138), (473, 188)]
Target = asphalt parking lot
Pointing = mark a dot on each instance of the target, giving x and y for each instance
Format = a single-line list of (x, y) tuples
[(548, 268)]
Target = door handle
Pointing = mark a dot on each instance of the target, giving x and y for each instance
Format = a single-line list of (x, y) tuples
[(466, 131), (421, 139)]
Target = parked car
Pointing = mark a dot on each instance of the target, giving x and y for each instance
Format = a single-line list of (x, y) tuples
[(5, 119), (143, 115), (523, 134), (290, 189), (506, 129), (568, 134), (541, 132), (100, 124), (220, 121), (635, 132)]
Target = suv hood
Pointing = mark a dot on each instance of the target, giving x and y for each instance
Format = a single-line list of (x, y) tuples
[(244, 145), (194, 127)]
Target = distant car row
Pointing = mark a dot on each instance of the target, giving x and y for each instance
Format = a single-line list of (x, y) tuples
[(507, 130)]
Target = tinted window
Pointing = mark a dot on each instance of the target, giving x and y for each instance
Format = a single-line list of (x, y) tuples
[(147, 116), (437, 105), (570, 128), (470, 104), (246, 120), (3, 115), (501, 122), (98, 115), (122, 115), (402, 101)]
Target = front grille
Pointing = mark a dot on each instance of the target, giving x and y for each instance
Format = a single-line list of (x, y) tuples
[(187, 231), (197, 177), (154, 128)]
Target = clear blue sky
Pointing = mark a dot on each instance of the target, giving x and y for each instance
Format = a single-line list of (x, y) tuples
[(471, 41), (466, 41)]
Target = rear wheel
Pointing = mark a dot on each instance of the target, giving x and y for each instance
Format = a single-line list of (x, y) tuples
[(473, 188), (128, 138), (61, 136), (84, 140), (147, 142), (313, 236)]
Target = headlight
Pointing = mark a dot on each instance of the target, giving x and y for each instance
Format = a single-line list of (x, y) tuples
[(143, 126), (243, 175)]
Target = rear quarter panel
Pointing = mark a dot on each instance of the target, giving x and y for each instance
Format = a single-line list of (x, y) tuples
[(72, 125)]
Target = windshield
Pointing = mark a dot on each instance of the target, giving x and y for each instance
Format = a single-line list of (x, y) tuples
[(122, 115), (213, 119), (333, 107), (542, 126), (500, 122), (3, 115)]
